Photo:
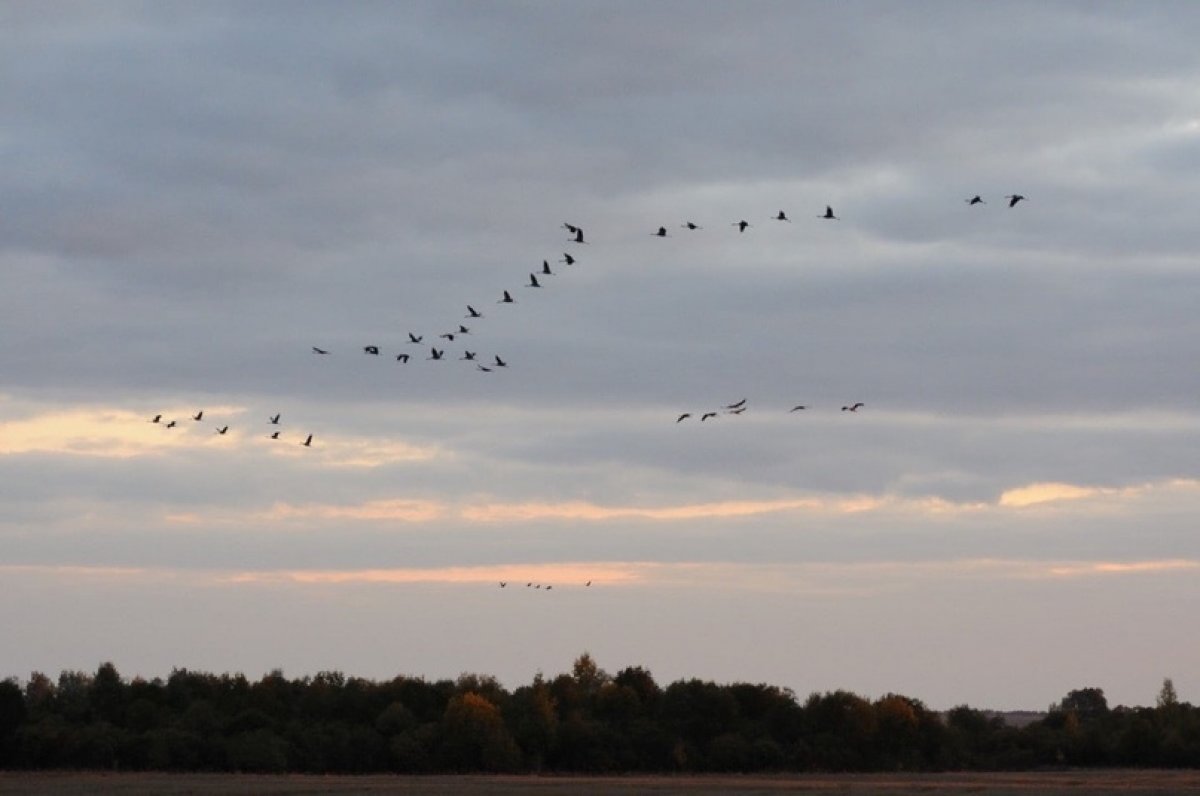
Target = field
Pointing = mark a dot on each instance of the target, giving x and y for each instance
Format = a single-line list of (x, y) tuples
[(988, 784)]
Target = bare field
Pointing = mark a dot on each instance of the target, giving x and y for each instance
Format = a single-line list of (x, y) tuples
[(984, 784)]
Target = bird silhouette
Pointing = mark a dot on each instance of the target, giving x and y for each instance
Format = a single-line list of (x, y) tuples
[(797, 408), (508, 299), (829, 216), (274, 435), (546, 268), (782, 217), (500, 363), (484, 368), (568, 259), (463, 330), (319, 350), (308, 442), (503, 583), (737, 411), (415, 339), (198, 415), (533, 281), (222, 430), (373, 350), (578, 236), (853, 407), (472, 312), (975, 200), (707, 415), (589, 583), (274, 419), (570, 228), (447, 336), (401, 357), (1013, 199), (662, 233), (469, 356), (171, 424), (435, 354), (736, 405), (690, 225), (156, 419), (741, 225), (683, 417)]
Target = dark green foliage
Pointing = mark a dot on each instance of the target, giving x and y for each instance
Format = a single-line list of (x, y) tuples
[(584, 721)]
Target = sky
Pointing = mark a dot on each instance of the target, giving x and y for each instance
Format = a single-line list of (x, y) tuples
[(196, 195)]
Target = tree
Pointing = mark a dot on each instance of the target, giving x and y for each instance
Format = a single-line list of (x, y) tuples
[(474, 737), (1167, 698), (1088, 704)]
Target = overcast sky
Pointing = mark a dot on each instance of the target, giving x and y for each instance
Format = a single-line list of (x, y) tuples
[(196, 194)]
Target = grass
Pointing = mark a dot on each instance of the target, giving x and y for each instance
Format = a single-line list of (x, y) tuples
[(1123, 781)]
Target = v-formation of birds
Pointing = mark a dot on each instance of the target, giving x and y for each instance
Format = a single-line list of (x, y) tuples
[(576, 235)]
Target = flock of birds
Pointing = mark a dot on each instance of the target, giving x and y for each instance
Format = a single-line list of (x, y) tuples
[(223, 430), (738, 407), (532, 585)]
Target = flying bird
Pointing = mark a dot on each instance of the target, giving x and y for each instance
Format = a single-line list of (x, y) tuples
[(274, 419), (568, 259), (415, 339), (156, 419), (829, 216), (447, 336), (737, 411), (546, 268), (782, 217), (1013, 199), (171, 424), (500, 363), (975, 200), (198, 415), (472, 312), (662, 233), (589, 583), (435, 354), (736, 405), (797, 408), (274, 435), (463, 330), (570, 228), (222, 430), (683, 417), (308, 442), (469, 356), (373, 350), (578, 236), (741, 225), (319, 350), (401, 357), (853, 407), (690, 225), (503, 583), (484, 368), (508, 299), (707, 415), (533, 281)]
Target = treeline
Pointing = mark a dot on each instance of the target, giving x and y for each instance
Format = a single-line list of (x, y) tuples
[(585, 721)]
